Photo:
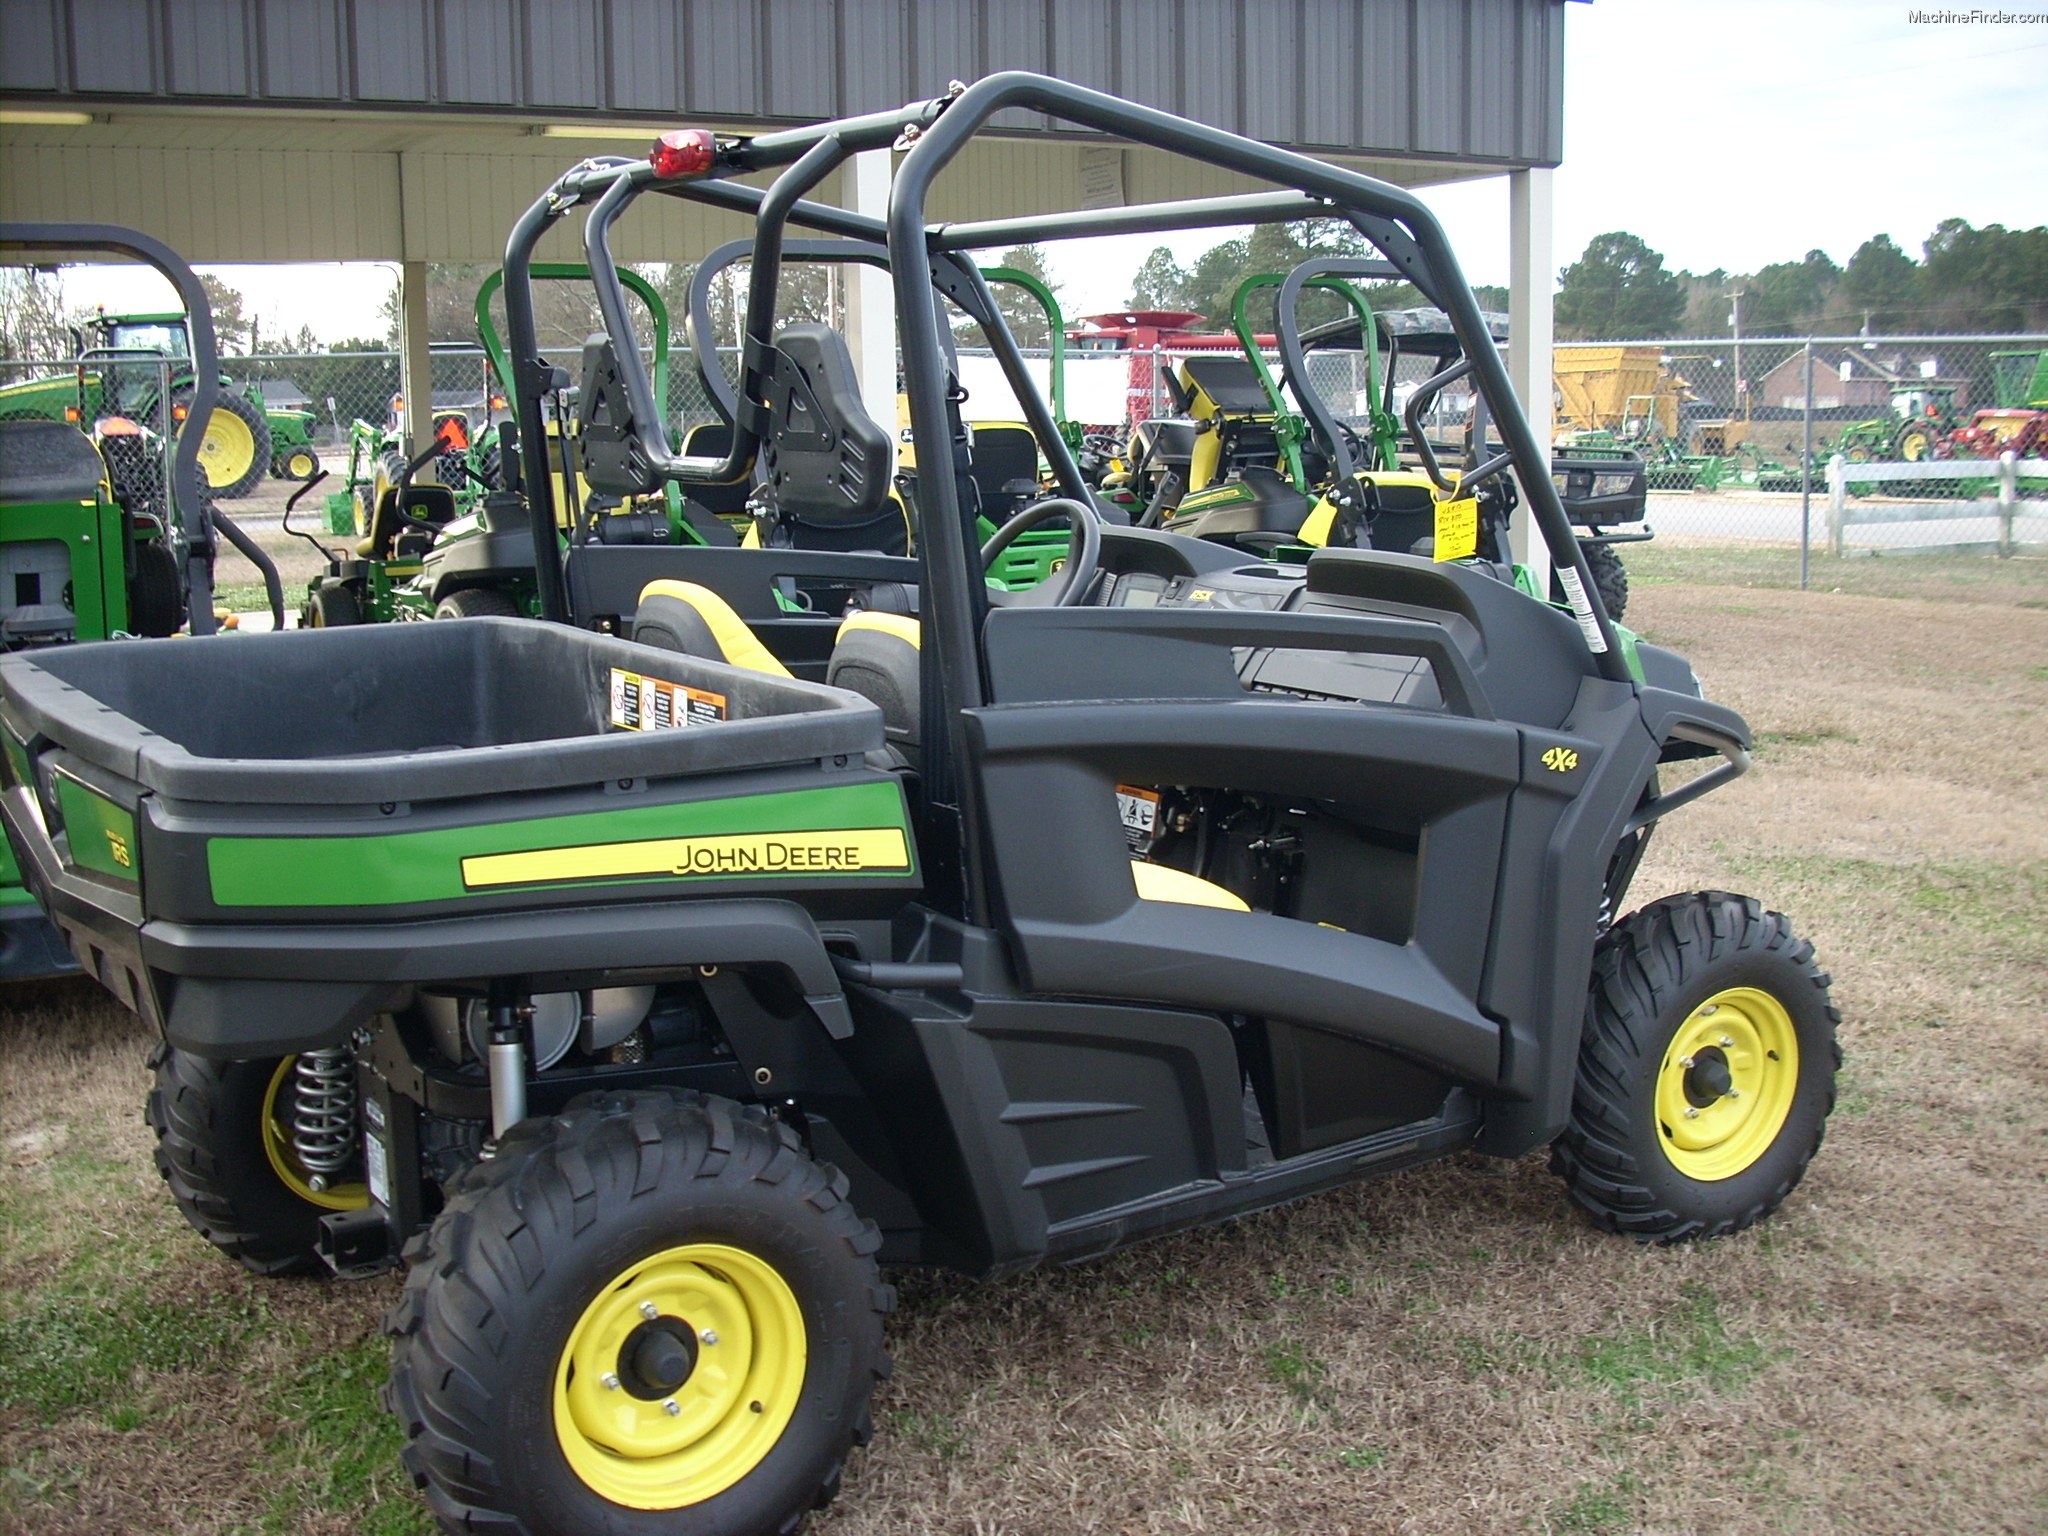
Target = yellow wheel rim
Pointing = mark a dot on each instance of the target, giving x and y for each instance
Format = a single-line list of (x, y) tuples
[(284, 1161), (678, 1448), (1726, 1084), (227, 450), (300, 464)]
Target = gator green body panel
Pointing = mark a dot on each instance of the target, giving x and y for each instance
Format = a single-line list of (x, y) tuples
[(403, 868), (101, 833), (91, 530)]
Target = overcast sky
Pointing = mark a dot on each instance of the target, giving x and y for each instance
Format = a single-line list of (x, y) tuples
[(1727, 133)]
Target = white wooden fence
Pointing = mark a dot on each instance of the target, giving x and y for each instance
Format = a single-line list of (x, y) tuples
[(2005, 471)]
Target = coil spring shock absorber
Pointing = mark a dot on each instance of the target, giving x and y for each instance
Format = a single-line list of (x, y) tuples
[(324, 1112)]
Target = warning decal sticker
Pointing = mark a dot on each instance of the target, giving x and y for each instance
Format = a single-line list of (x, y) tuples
[(1138, 809), (654, 704)]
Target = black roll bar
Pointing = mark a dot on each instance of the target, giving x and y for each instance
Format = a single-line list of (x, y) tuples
[(195, 509), (1294, 360)]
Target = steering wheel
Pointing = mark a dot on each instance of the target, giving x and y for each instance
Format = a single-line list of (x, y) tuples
[(1069, 585)]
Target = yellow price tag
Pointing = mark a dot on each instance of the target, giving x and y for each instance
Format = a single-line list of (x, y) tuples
[(1457, 529)]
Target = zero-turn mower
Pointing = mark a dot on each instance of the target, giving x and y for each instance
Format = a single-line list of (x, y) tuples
[(647, 983)]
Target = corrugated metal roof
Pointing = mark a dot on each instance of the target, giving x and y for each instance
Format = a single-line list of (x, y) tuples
[(1470, 80)]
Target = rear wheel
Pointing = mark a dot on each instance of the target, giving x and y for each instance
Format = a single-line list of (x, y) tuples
[(651, 1313), (225, 1147), (156, 606), (1914, 443), (477, 603), (234, 451), (1706, 1070)]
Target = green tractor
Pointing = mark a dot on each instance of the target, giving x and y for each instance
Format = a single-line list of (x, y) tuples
[(1923, 411), (444, 534), (137, 365), (105, 530)]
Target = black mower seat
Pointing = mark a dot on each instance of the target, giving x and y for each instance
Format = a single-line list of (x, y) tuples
[(48, 461), (401, 505), (877, 656), (1230, 383)]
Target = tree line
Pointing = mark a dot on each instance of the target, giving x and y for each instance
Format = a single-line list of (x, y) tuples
[(1965, 280)]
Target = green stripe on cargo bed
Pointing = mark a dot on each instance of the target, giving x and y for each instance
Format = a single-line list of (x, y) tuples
[(398, 868)]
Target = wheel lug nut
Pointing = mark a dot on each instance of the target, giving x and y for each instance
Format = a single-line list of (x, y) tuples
[(1734, 1093), (671, 1407), (649, 1310), (609, 1381), (1710, 1008), (1685, 1062), (1727, 1042), (709, 1335), (1691, 1113)]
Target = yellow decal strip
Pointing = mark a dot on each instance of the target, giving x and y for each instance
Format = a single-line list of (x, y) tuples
[(855, 851)]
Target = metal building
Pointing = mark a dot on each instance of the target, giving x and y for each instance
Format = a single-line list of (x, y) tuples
[(352, 130)]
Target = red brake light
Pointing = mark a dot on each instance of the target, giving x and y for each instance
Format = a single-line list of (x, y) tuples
[(71, 414), (683, 152), (180, 412)]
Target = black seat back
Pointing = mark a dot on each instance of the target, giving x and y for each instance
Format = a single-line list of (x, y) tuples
[(826, 462), (48, 461), (613, 461)]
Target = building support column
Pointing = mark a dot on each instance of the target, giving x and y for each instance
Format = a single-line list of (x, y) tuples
[(870, 298), (1531, 280), (415, 364)]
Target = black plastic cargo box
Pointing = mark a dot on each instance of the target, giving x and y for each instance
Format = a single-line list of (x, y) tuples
[(405, 803)]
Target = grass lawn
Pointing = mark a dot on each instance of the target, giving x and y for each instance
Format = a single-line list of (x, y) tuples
[(1449, 1350)]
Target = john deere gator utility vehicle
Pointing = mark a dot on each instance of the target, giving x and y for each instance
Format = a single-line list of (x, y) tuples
[(144, 367), (444, 533), (102, 530), (648, 995)]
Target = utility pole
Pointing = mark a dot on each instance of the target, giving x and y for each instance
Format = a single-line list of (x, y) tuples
[(1735, 325)]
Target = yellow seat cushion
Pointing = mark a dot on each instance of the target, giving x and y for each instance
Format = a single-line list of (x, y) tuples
[(1159, 882), (901, 625), (738, 644)]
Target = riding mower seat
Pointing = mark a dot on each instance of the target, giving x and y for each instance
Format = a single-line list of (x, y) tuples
[(399, 510), (876, 655), (48, 461)]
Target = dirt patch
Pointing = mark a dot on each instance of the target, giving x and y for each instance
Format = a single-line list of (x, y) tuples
[(1450, 1350)]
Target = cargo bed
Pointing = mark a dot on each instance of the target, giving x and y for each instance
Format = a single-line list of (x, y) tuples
[(259, 841)]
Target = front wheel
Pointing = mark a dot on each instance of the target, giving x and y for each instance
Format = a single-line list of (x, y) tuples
[(1706, 1070), (651, 1313), (234, 448)]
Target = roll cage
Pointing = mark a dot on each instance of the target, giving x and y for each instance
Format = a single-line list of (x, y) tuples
[(926, 261)]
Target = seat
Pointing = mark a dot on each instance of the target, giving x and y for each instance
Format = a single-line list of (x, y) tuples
[(695, 621), (401, 506), (708, 507), (48, 461), (825, 463), (876, 655)]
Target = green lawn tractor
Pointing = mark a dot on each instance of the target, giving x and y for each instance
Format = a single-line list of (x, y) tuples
[(97, 527), (649, 981), (141, 367), (445, 534), (1923, 411)]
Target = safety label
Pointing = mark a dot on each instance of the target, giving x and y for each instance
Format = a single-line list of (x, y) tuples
[(1457, 529), (654, 704), (1138, 809)]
